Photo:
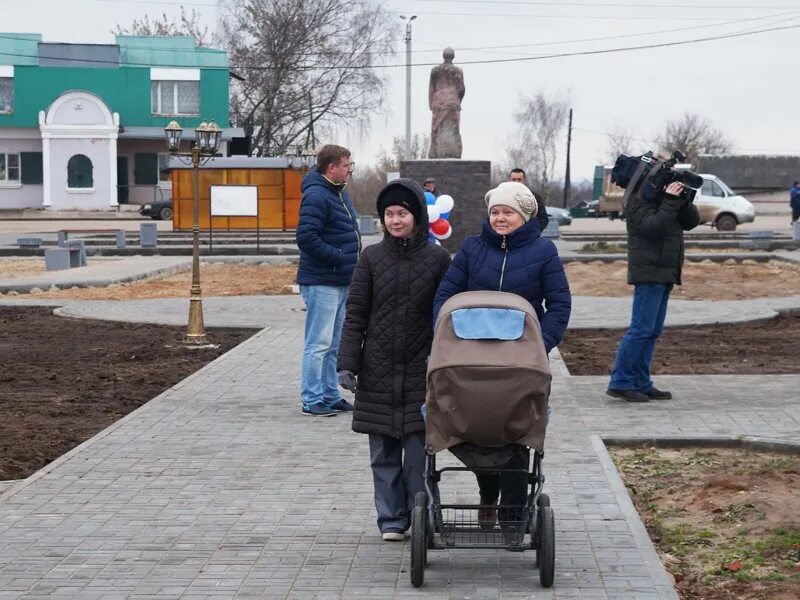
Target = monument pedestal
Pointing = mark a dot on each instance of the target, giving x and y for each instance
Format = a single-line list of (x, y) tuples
[(467, 181)]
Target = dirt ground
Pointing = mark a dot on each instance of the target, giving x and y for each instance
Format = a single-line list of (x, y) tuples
[(20, 267), (726, 522), (761, 347), (216, 279), (63, 380), (705, 280), (612, 248), (701, 281)]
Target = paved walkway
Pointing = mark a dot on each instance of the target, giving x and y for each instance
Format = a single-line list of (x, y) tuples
[(219, 488), (261, 311)]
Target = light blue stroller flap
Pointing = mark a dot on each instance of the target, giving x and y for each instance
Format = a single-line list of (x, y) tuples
[(504, 324)]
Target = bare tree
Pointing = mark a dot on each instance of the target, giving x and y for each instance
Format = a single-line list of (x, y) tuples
[(186, 24), (307, 66), (420, 143), (540, 122), (693, 135), (368, 180), (620, 141)]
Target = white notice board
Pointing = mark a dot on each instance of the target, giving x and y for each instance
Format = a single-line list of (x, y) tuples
[(234, 201)]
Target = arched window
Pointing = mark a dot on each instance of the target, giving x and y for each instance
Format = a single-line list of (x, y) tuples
[(79, 172)]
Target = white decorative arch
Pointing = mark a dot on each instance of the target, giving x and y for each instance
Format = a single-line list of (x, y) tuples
[(78, 107), (82, 118)]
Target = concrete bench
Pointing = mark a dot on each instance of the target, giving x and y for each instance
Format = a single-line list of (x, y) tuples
[(552, 231), (759, 239), (29, 242), (58, 259), (148, 235), (366, 224), (63, 235)]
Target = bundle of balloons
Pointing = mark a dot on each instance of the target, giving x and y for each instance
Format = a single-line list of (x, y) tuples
[(438, 213)]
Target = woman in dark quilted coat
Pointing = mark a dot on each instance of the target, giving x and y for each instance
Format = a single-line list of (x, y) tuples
[(511, 256), (386, 340)]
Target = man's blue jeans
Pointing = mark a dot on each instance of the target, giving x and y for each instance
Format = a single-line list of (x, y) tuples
[(632, 365), (325, 310)]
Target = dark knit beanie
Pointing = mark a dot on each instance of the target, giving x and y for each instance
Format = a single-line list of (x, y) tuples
[(399, 195)]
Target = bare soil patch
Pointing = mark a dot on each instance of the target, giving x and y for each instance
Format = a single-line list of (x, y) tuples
[(702, 281), (216, 279), (706, 280), (760, 347), (64, 380), (11, 268), (726, 523), (614, 248)]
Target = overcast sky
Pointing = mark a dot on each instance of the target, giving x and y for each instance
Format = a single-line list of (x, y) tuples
[(748, 86)]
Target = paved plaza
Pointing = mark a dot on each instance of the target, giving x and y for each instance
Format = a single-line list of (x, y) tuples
[(219, 488)]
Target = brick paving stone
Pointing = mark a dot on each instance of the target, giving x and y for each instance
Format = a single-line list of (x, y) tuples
[(219, 488)]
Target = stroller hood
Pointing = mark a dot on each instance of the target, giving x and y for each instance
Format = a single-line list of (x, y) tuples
[(488, 374)]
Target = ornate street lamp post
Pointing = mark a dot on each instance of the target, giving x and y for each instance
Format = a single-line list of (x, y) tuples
[(300, 156), (207, 139)]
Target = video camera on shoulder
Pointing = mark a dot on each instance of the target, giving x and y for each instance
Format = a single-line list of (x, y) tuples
[(649, 175)]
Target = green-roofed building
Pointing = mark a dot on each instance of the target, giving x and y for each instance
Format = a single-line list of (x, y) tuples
[(81, 125)]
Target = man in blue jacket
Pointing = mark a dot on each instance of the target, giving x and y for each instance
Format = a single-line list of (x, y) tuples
[(329, 242), (794, 201)]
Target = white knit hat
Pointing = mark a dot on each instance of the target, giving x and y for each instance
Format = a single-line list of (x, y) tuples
[(516, 196)]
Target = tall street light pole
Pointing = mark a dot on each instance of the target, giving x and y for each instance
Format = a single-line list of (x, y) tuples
[(567, 182), (407, 148), (206, 145)]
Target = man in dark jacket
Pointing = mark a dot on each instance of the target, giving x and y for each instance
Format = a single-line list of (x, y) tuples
[(518, 175), (430, 186), (329, 242), (655, 259)]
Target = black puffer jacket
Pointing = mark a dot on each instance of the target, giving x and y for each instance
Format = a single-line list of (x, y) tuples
[(388, 329), (655, 237)]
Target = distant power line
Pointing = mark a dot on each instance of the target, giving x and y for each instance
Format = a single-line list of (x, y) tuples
[(610, 50), (622, 36), (469, 62), (638, 5), (603, 17)]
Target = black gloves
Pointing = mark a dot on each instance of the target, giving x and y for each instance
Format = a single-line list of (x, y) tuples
[(347, 379)]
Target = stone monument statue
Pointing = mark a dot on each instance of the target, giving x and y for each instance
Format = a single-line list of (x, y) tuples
[(445, 92)]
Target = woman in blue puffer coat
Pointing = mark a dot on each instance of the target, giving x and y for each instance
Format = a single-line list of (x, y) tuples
[(510, 255)]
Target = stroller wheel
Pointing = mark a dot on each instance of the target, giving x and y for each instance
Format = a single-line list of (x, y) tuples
[(418, 546), (421, 500), (546, 551), (542, 502)]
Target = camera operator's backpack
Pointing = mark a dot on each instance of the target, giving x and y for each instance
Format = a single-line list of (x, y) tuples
[(637, 181)]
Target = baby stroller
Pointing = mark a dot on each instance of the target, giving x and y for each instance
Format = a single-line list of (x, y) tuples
[(488, 388)]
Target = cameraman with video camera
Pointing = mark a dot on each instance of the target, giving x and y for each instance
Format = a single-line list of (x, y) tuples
[(658, 209)]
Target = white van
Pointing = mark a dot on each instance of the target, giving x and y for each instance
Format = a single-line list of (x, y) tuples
[(720, 206)]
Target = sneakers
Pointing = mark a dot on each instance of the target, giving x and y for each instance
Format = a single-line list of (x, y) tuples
[(393, 535), (342, 406), (656, 394), (633, 396), (628, 395), (319, 411)]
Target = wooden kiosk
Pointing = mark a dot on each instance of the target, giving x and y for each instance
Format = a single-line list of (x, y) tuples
[(278, 204)]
